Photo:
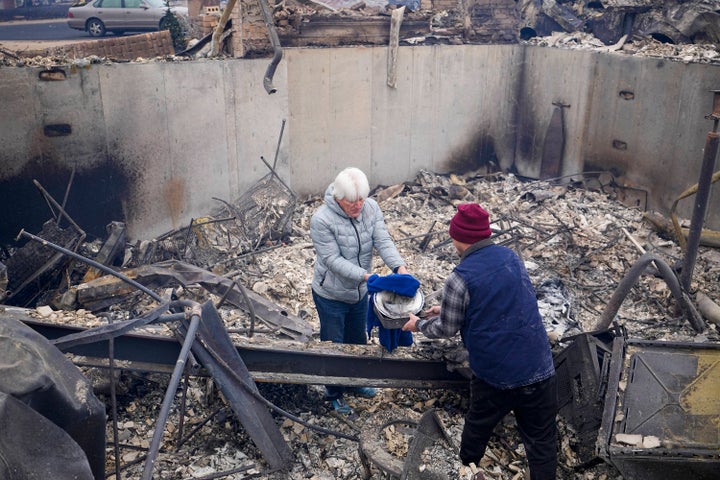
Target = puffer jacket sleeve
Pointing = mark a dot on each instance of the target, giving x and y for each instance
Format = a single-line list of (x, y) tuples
[(381, 239)]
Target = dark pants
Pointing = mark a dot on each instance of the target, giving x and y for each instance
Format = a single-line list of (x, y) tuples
[(534, 406), (341, 322)]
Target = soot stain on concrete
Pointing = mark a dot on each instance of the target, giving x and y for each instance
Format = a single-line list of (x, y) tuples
[(94, 199), (478, 152)]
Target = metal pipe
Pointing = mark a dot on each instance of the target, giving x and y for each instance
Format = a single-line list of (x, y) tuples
[(703, 195), (631, 278), (113, 400), (199, 425), (249, 306), (170, 392), (49, 198), (277, 49), (183, 407), (275, 174), (224, 297), (93, 263), (67, 192), (277, 149)]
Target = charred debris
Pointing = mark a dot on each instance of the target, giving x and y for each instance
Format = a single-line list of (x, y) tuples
[(687, 31), (173, 333), (195, 354), (610, 22)]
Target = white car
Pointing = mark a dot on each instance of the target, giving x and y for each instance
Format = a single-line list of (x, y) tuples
[(101, 16)]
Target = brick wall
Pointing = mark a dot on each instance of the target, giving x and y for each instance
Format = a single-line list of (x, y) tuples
[(148, 45), (198, 7), (250, 34), (492, 21), (208, 20)]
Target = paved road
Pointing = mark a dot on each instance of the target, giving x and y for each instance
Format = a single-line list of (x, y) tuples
[(47, 30)]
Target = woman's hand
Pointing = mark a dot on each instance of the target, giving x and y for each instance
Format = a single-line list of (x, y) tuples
[(403, 270)]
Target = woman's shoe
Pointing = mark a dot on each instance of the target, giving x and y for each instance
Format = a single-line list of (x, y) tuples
[(341, 407), (366, 392)]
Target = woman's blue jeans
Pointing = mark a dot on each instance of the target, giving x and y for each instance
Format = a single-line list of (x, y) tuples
[(341, 322)]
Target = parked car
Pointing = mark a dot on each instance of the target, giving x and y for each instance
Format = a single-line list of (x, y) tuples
[(117, 16)]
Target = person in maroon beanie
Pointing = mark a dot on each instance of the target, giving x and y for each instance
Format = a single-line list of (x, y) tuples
[(490, 300)]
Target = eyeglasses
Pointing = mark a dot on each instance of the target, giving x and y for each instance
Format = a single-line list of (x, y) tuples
[(357, 202)]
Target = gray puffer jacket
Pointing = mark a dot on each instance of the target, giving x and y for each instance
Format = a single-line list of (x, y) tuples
[(344, 248)]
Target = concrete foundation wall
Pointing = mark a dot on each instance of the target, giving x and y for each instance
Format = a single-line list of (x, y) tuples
[(434, 119), (158, 143)]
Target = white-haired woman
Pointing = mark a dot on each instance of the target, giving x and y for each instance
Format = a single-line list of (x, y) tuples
[(345, 230)]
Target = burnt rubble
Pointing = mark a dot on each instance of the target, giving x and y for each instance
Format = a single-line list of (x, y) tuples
[(624, 334), (688, 32), (684, 31), (577, 240), (668, 21), (608, 21)]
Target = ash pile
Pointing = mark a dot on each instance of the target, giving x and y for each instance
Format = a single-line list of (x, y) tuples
[(578, 241)]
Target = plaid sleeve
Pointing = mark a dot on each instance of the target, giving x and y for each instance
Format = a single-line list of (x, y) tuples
[(452, 310)]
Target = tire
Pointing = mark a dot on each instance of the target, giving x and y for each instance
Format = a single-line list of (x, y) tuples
[(95, 27)]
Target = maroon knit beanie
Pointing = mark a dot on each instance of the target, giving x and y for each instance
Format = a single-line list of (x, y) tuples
[(470, 224)]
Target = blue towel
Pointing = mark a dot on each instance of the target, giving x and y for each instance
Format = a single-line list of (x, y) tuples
[(399, 283)]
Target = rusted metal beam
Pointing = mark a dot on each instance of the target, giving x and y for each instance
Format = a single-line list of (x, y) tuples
[(324, 366)]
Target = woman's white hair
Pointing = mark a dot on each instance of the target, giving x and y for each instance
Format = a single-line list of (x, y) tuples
[(351, 184)]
